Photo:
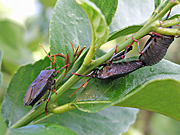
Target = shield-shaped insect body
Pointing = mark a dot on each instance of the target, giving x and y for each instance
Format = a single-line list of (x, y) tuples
[(39, 87)]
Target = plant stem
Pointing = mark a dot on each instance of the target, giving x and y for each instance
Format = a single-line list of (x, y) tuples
[(161, 13), (29, 117), (167, 31), (169, 23)]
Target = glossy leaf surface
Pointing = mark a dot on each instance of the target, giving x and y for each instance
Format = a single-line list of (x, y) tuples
[(108, 8), (124, 32), (98, 23), (113, 120), (69, 23)]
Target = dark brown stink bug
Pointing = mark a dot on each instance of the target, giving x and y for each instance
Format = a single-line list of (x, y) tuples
[(38, 88)]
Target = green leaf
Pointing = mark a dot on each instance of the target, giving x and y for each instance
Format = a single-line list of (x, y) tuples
[(3, 127), (131, 12), (124, 32), (48, 3), (97, 20), (156, 3), (12, 108), (69, 23), (174, 16), (108, 8), (160, 4), (1, 75), (156, 96), (113, 120), (151, 88), (1, 80), (46, 129)]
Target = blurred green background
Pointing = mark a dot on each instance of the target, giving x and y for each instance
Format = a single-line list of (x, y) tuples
[(24, 24)]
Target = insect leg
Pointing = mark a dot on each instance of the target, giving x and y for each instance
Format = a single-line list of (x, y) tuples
[(81, 86), (88, 75), (126, 49), (54, 55), (119, 55), (50, 92), (48, 56), (137, 44), (122, 54), (38, 104), (114, 54), (168, 14), (54, 83), (147, 46), (61, 69)]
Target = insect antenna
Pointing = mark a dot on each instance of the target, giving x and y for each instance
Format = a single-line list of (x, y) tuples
[(48, 56)]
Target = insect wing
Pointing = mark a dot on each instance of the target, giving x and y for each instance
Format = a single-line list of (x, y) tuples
[(30, 91), (27, 97)]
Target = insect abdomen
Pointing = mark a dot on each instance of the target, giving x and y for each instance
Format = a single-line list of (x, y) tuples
[(116, 70), (157, 50)]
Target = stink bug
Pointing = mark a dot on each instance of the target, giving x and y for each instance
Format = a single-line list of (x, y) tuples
[(116, 70), (42, 84)]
